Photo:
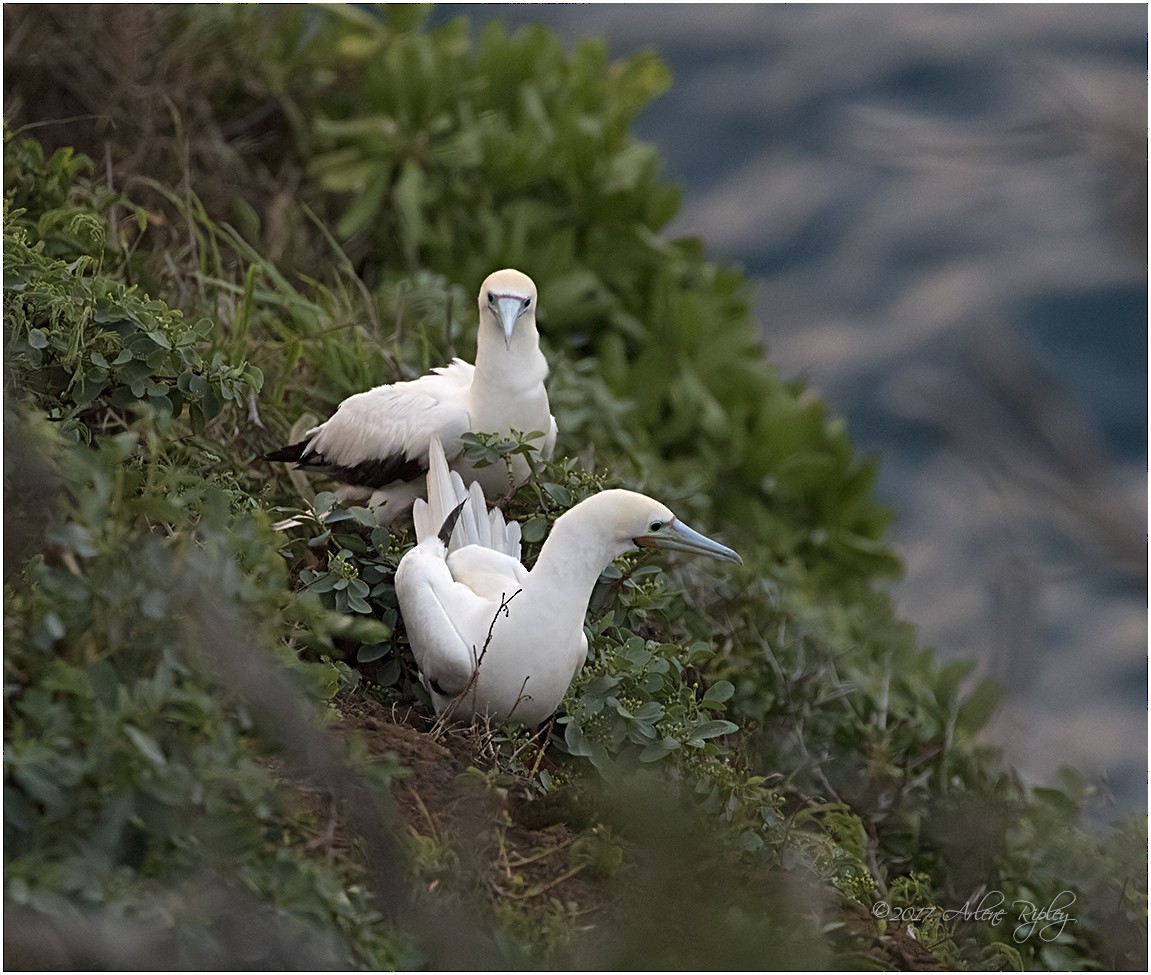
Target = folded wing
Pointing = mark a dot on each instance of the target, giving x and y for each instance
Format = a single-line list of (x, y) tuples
[(380, 436)]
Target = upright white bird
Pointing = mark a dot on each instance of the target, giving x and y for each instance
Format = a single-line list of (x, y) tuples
[(377, 441), (491, 637)]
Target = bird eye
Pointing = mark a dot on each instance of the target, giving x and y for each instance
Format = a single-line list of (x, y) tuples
[(527, 301), (491, 298), (656, 526)]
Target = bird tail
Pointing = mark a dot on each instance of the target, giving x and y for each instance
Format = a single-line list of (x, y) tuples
[(445, 493), (448, 498)]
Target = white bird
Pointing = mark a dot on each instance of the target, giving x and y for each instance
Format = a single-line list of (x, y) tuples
[(491, 637), (377, 441)]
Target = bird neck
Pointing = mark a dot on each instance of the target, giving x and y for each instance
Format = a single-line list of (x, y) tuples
[(576, 551), (515, 367)]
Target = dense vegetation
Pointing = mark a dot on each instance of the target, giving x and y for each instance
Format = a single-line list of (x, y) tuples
[(236, 216)]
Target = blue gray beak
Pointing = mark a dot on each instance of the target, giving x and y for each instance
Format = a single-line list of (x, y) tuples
[(508, 310), (675, 535)]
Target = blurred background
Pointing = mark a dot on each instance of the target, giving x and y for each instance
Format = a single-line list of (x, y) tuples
[(945, 208)]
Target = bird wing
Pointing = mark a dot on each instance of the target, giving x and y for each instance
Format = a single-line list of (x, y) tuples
[(435, 609), (448, 587), (445, 491), (490, 574), (382, 435)]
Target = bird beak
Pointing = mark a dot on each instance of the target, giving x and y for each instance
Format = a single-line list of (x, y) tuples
[(508, 311), (677, 536)]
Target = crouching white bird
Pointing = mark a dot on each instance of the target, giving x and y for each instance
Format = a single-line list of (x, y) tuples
[(491, 637), (377, 441)]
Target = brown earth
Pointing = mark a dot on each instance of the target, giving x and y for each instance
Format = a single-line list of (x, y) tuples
[(482, 837)]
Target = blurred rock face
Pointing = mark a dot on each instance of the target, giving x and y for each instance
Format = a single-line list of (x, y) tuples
[(946, 208)]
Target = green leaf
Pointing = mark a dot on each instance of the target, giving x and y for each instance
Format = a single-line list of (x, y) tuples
[(105, 682), (534, 529), (324, 502), (39, 783), (366, 206), (650, 711), (357, 604), (558, 493), (372, 651), (364, 516), (145, 745), (713, 729), (719, 692), (320, 582), (979, 705), (658, 749), (358, 628), (575, 740)]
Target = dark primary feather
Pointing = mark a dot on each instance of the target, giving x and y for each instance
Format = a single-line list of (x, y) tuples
[(375, 473), (287, 454), (449, 524)]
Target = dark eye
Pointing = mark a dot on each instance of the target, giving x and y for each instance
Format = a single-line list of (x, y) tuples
[(527, 301), (656, 526), (491, 298)]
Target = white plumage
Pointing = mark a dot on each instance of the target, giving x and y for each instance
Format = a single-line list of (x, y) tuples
[(377, 441), (489, 636)]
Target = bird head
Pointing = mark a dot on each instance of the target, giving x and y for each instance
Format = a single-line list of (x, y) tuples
[(506, 297), (638, 520)]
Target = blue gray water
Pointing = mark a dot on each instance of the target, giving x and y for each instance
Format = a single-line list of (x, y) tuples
[(945, 210)]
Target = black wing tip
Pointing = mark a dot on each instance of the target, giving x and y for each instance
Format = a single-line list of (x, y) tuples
[(376, 473), (449, 524), (289, 455), (379, 473)]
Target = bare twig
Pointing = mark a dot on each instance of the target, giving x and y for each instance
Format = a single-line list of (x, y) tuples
[(477, 659)]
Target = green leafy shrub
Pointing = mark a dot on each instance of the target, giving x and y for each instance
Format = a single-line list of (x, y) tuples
[(136, 761), (133, 768), (81, 342)]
